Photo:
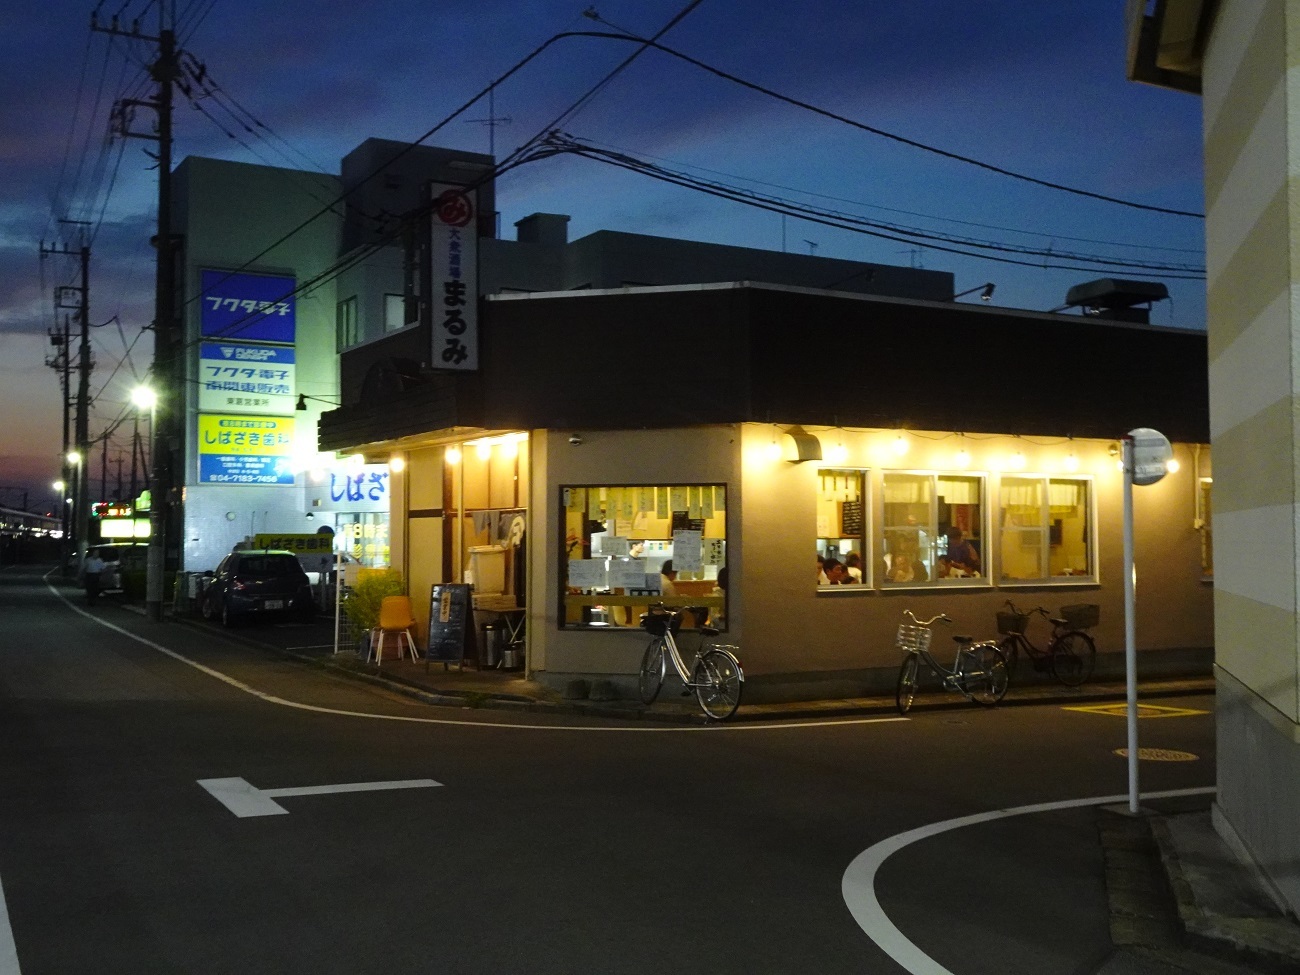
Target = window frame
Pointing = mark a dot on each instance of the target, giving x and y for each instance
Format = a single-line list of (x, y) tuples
[(867, 547), (983, 581), (633, 601), (346, 321), (1088, 578), (391, 323)]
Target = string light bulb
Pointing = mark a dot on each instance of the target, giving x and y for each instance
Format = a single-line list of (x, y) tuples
[(900, 445), (837, 454), (453, 455), (483, 450), (1172, 465), (963, 458), (397, 463), (1071, 462)]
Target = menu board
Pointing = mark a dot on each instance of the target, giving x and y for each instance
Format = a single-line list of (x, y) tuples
[(451, 623), (851, 518)]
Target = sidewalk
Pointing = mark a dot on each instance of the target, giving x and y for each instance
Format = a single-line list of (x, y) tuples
[(1180, 900)]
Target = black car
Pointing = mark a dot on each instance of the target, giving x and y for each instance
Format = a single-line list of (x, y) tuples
[(264, 581)]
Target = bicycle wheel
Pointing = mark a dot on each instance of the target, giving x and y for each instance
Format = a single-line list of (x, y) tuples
[(1073, 657), (906, 692), (984, 675), (1010, 647), (718, 683), (652, 671)]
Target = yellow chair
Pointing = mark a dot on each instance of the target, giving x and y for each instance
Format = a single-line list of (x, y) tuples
[(394, 617)]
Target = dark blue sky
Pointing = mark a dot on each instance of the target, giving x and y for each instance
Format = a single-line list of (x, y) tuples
[(1033, 87)]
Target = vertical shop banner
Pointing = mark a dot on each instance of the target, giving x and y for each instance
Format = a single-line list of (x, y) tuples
[(248, 307), (240, 378), (245, 449), (453, 239)]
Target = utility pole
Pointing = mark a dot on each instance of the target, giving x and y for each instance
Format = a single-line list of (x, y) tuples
[(61, 361), (81, 491), (166, 431)]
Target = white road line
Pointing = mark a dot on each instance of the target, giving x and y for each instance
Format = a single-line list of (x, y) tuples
[(8, 950), (859, 883), (245, 800), (647, 728)]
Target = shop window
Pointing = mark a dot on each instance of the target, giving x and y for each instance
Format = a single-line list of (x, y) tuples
[(1045, 529), (933, 529), (345, 324), (394, 313), (841, 527), (625, 547)]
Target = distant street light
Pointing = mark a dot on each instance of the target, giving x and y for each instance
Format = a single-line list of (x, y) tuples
[(58, 486), (144, 398), (74, 458)]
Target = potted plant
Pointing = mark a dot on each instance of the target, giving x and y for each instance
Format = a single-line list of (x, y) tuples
[(361, 603)]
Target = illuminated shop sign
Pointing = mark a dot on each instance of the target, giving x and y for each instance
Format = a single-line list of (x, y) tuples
[(245, 449), (237, 378), (251, 307)]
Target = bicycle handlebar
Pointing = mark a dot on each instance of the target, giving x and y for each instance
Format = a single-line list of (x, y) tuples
[(1044, 613), (942, 616)]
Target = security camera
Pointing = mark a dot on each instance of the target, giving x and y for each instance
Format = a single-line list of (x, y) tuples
[(575, 439)]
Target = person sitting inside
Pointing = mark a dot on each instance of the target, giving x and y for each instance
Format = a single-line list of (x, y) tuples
[(667, 575), (853, 566), (836, 573), (961, 554)]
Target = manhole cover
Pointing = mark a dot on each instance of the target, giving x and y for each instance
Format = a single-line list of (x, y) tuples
[(1159, 755)]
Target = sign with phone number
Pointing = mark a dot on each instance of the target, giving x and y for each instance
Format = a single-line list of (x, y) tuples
[(245, 449)]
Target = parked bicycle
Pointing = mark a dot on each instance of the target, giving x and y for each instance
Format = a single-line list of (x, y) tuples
[(715, 675), (978, 671), (1070, 654)]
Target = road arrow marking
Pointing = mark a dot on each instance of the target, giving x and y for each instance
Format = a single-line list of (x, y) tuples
[(242, 799)]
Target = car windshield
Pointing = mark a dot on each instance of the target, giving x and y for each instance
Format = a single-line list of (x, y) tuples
[(269, 565)]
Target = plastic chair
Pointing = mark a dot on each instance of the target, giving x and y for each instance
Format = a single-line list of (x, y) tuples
[(394, 617)]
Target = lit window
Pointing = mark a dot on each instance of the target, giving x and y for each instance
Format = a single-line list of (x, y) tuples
[(394, 313), (841, 528), (1045, 529), (933, 529), (345, 325), (629, 546)]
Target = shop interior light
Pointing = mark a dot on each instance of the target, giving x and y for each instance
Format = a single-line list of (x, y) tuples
[(900, 445), (1071, 462), (1017, 461), (453, 455), (397, 463), (837, 454), (963, 458), (510, 447)]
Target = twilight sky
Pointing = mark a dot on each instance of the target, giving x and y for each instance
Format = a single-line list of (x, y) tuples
[(1036, 88)]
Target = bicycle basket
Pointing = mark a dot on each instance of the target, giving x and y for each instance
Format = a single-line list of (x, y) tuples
[(1012, 622), (659, 623), (1081, 616), (913, 638)]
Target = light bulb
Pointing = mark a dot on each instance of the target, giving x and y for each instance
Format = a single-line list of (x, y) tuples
[(453, 455), (397, 463), (1071, 462), (838, 454), (774, 450), (484, 450), (1172, 465), (963, 458), (900, 445)]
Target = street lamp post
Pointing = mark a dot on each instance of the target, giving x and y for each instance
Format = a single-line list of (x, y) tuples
[(155, 562)]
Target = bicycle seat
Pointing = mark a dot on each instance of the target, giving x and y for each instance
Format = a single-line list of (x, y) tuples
[(963, 639), (709, 630), (1057, 621)]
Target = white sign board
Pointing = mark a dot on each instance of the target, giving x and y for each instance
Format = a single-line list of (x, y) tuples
[(627, 574), (587, 574), (453, 246), (1151, 454), (687, 554), (236, 377)]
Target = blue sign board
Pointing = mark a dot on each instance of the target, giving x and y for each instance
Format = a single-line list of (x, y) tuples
[(253, 307)]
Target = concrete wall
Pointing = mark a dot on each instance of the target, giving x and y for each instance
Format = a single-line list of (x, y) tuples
[(1252, 151), (228, 213)]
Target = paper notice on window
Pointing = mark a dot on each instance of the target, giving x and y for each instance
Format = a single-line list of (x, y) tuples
[(594, 507), (587, 574), (719, 497), (575, 499), (715, 551), (693, 496), (627, 574), (661, 502), (706, 502), (614, 545), (678, 501), (687, 554), (645, 500)]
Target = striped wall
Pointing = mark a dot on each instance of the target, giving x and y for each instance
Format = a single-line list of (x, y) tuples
[(1252, 196), (1251, 84)]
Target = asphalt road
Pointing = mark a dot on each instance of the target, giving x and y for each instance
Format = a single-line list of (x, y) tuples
[(550, 844)]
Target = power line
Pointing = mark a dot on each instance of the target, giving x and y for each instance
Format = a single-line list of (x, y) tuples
[(904, 140)]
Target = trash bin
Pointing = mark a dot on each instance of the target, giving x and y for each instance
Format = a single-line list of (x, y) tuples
[(489, 654)]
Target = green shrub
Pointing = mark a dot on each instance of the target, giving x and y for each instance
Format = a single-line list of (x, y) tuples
[(361, 604)]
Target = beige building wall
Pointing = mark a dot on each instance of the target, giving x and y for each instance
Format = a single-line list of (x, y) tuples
[(1251, 82), (797, 641)]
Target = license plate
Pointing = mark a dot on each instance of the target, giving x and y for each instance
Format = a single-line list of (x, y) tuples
[(273, 604)]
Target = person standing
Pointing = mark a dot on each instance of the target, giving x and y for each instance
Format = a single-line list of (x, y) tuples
[(93, 575), (667, 576)]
